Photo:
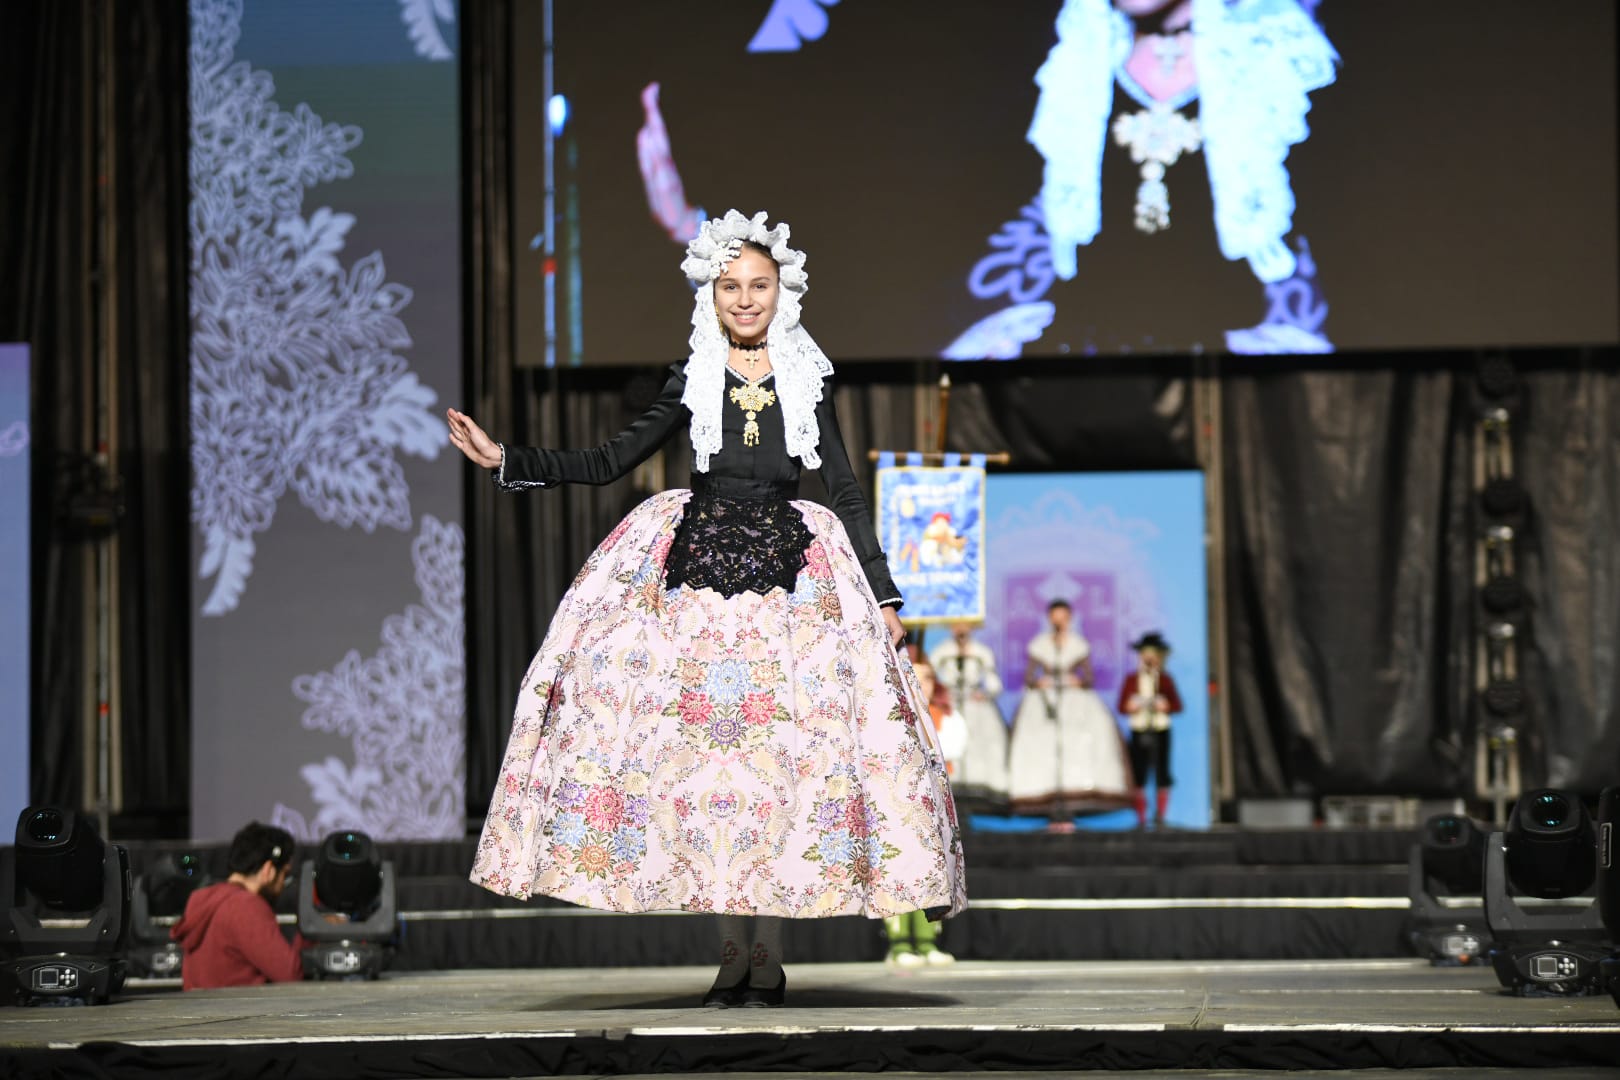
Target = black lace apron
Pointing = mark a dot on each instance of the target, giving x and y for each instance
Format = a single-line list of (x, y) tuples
[(738, 536)]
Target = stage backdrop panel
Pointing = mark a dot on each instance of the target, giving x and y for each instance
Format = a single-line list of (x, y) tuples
[(329, 682), (1127, 551), (14, 598)]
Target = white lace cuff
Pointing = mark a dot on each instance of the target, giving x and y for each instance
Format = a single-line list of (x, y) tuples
[(499, 476)]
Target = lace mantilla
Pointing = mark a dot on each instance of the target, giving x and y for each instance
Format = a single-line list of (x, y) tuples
[(798, 361), (736, 545)]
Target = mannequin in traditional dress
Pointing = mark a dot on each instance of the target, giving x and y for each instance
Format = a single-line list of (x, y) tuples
[(1066, 751), (1147, 699)]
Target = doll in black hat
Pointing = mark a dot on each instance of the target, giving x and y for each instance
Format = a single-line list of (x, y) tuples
[(1147, 700)]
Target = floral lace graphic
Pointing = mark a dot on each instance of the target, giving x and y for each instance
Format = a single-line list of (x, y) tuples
[(14, 439), (405, 708), (296, 377), (422, 19)]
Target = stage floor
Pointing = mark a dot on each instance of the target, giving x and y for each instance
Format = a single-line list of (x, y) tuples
[(1032, 1017)]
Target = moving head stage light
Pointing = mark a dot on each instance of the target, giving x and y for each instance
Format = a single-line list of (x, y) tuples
[(346, 908), (1608, 883), (67, 896), (1445, 880), (1549, 851), (159, 898)]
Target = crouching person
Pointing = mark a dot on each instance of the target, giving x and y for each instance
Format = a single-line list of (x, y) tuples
[(228, 933)]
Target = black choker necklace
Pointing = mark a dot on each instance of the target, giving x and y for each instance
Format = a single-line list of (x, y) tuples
[(735, 344)]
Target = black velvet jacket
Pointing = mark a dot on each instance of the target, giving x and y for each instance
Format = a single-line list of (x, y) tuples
[(765, 464)]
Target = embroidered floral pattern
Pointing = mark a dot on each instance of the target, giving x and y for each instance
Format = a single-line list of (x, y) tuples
[(752, 754)]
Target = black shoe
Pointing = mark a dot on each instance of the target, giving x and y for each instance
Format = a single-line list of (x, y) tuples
[(759, 997), (726, 997)]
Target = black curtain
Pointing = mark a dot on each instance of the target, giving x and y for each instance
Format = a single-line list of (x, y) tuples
[(1351, 529), (93, 224), (1568, 457), (1346, 540)]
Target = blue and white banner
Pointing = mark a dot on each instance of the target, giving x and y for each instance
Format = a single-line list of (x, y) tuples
[(931, 523), (14, 518)]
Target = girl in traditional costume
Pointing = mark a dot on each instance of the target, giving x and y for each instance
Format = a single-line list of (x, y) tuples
[(968, 669), (718, 719)]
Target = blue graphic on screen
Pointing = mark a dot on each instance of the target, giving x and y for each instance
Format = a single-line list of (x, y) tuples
[(791, 23), (14, 705), (1126, 550)]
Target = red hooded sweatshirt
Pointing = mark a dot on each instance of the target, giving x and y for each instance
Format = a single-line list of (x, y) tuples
[(230, 938)]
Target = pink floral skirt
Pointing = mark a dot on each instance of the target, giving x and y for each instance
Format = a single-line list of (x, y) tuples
[(754, 755)]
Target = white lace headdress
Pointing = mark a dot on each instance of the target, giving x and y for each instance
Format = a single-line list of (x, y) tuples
[(798, 362)]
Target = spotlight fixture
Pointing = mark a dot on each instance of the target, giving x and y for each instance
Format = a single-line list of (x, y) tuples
[(347, 909), (159, 898), (67, 896), (1445, 878), (1549, 852)]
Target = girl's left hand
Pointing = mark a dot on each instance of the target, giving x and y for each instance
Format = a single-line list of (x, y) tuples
[(897, 633)]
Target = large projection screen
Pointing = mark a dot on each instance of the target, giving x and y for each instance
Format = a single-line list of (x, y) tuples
[(1057, 178)]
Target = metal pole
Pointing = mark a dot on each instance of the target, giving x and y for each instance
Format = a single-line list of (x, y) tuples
[(1211, 458), (548, 89), (104, 434)]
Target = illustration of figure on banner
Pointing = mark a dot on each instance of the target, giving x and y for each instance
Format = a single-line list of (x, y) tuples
[(1130, 89), (941, 546), (1148, 699), (1066, 755), (967, 668)]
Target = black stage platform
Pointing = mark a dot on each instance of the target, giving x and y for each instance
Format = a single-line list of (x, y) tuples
[(1056, 1018), (1217, 894)]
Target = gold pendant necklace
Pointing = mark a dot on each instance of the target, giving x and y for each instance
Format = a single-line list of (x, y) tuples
[(751, 398), (1156, 138)]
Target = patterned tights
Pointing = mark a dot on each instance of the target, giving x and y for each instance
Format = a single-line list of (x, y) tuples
[(750, 948)]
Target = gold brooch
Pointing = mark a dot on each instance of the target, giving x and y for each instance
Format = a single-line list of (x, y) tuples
[(752, 398)]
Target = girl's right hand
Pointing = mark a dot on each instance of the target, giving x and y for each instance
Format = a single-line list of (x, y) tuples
[(469, 438)]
